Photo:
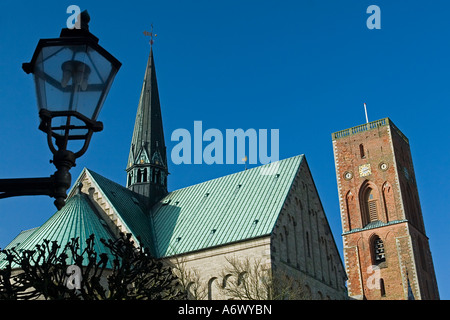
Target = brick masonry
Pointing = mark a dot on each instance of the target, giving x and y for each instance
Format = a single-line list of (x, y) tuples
[(378, 198)]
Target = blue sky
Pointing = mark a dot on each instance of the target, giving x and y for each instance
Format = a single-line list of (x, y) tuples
[(303, 67)]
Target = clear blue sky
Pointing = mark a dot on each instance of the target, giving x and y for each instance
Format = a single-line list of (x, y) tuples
[(303, 67)]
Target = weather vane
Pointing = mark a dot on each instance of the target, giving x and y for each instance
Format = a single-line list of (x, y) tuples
[(151, 35)]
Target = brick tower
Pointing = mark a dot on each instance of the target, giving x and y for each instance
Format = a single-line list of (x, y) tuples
[(386, 250)]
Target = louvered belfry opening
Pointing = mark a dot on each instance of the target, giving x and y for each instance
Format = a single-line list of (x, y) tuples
[(378, 250), (370, 208)]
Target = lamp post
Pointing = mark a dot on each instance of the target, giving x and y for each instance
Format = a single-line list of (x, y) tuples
[(72, 75)]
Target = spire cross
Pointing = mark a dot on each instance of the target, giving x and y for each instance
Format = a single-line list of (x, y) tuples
[(151, 35)]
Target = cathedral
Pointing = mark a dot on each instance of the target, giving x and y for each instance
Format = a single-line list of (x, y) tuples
[(275, 221)]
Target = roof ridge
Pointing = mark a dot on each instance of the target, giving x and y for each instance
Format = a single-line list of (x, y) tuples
[(230, 174)]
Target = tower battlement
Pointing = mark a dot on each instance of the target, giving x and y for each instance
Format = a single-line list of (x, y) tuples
[(366, 127)]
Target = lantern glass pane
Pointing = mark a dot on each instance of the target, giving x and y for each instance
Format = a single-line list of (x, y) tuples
[(72, 78)]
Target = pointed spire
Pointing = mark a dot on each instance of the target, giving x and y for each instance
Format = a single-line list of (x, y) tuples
[(148, 128), (147, 161)]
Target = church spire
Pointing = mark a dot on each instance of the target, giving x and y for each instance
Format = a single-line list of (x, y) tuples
[(147, 162)]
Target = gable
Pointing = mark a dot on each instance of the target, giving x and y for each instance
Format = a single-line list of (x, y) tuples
[(142, 157), (157, 159), (302, 237), (122, 206)]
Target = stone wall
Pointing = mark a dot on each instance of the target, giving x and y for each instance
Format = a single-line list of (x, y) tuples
[(209, 269), (303, 246)]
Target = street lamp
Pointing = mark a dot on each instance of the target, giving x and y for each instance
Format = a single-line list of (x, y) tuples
[(72, 75)]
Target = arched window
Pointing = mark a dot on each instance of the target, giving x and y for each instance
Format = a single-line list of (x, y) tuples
[(299, 203), (369, 203), (286, 234), (225, 280), (130, 176), (349, 203), (139, 176), (389, 202), (283, 253), (378, 253), (361, 151), (211, 285), (308, 244), (158, 177), (144, 175), (382, 288), (295, 242)]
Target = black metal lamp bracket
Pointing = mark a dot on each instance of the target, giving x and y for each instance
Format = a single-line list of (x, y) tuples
[(56, 185)]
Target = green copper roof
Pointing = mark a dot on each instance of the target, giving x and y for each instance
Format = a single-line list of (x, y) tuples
[(76, 219), (232, 208)]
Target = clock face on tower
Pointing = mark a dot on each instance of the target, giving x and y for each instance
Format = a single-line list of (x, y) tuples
[(348, 175), (364, 170)]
